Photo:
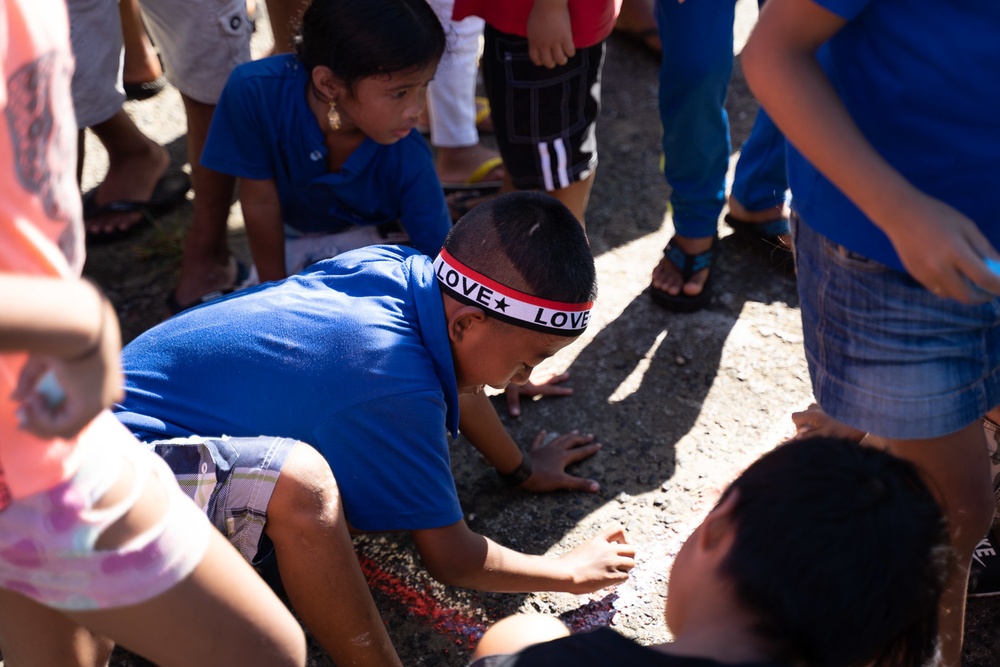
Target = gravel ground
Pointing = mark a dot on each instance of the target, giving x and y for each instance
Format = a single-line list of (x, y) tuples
[(680, 402)]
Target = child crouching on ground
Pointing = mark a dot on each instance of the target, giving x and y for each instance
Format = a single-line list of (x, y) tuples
[(799, 564)]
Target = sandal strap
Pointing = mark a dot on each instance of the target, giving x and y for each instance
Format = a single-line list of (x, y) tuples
[(773, 228), (687, 264)]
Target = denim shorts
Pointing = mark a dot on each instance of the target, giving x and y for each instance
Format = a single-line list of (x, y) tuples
[(231, 480), (885, 354)]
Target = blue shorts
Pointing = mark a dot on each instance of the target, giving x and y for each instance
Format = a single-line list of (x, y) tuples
[(544, 119), (231, 480), (885, 354)]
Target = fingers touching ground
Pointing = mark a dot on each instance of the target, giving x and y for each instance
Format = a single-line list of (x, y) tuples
[(549, 462)]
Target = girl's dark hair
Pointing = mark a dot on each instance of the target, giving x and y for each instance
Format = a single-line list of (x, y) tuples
[(528, 241), (357, 39), (841, 551)]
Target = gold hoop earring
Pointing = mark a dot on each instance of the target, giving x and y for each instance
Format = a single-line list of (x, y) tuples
[(333, 116)]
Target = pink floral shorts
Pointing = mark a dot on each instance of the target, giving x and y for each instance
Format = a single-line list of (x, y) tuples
[(47, 540)]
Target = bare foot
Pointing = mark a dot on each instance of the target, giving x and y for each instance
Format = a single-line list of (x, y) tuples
[(667, 277), (458, 165), (204, 276)]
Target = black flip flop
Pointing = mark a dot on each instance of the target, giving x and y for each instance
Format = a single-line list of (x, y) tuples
[(764, 238), (146, 89), (137, 92), (169, 193)]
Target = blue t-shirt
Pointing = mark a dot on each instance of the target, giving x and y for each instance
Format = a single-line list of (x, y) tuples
[(263, 129), (351, 356), (921, 78)]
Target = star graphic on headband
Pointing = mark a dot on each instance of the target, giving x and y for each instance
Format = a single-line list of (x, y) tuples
[(502, 305)]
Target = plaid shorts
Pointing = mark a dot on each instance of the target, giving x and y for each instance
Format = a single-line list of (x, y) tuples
[(231, 480), (544, 119)]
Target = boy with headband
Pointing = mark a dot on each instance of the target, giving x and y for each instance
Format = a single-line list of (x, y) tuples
[(344, 382)]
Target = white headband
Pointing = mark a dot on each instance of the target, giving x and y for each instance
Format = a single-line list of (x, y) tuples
[(507, 304)]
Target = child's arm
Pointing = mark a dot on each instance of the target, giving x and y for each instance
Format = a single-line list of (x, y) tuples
[(481, 425), (456, 556), (69, 328), (939, 246), (550, 34), (265, 230)]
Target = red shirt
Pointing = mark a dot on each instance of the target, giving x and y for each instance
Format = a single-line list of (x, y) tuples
[(592, 20)]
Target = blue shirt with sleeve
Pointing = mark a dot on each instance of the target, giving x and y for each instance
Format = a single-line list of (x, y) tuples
[(922, 82), (351, 356), (263, 129)]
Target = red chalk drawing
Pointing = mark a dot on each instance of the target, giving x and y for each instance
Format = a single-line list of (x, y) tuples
[(466, 629)]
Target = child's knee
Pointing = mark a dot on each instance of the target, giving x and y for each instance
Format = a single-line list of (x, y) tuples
[(511, 634), (306, 492)]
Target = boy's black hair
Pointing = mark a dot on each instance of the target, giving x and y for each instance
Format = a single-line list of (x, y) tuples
[(841, 551), (528, 241), (357, 39)]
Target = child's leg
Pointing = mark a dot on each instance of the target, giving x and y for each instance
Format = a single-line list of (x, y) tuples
[(888, 356), (576, 195), (284, 16), (33, 634), (695, 69), (200, 44), (694, 78), (290, 484), (222, 614), (137, 562), (760, 181), (318, 565), (511, 634), (958, 468)]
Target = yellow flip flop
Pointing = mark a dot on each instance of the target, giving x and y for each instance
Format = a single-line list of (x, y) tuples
[(484, 119), (477, 179)]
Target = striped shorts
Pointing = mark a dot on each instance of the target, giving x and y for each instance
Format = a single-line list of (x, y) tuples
[(544, 119)]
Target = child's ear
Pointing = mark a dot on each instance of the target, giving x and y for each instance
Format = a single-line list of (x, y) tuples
[(718, 526), (326, 83), (462, 321)]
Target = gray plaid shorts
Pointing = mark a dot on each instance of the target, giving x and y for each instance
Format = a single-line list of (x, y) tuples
[(231, 480)]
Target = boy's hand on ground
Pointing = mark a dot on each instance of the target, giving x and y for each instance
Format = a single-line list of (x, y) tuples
[(548, 463), (550, 34), (604, 560), (547, 387)]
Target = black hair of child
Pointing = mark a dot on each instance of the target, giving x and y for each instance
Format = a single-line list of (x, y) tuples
[(841, 551), (358, 39), (528, 241)]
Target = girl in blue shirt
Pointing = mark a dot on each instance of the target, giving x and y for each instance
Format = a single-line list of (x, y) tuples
[(323, 140)]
